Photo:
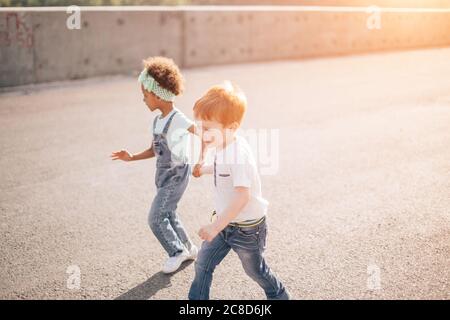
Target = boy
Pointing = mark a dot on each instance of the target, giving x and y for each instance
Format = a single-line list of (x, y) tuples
[(160, 82), (240, 209)]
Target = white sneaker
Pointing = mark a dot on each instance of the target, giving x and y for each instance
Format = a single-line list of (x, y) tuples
[(174, 263), (193, 253)]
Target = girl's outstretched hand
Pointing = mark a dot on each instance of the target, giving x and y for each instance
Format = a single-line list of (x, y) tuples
[(121, 155)]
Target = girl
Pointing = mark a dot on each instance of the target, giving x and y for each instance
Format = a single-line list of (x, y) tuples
[(161, 81)]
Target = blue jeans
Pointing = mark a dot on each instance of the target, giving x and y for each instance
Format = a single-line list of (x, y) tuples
[(249, 244)]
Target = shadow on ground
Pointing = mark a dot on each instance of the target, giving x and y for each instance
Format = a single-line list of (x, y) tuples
[(151, 286)]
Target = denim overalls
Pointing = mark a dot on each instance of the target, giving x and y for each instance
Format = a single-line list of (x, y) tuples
[(171, 179)]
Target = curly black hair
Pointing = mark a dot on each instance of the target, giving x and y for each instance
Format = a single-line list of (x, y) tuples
[(166, 73)]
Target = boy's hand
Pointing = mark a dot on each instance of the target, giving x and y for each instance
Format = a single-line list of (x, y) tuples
[(208, 232), (122, 155), (197, 171)]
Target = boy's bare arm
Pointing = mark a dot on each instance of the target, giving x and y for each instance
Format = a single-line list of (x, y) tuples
[(240, 199), (194, 129), (238, 202), (200, 169), (207, 169)]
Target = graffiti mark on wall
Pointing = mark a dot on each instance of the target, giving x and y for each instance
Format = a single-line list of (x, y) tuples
[(15, 29)]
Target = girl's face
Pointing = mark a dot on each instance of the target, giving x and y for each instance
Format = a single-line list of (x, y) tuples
[(150, 99)]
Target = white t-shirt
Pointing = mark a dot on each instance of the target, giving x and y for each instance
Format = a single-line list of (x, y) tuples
[(177, 135), (236, 167)]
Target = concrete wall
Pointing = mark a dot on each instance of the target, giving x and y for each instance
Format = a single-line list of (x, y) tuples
[(109, 42), (381, 3), (227, 37), (36, 46)]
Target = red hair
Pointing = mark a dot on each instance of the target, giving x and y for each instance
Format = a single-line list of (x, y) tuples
[(225, 104)]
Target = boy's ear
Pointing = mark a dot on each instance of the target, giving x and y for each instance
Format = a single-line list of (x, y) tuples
[(234, 126)]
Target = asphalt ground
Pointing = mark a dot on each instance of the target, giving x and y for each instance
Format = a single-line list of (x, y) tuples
[(359, 198)]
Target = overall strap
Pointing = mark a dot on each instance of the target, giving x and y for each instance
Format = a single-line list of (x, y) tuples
[(166, 127), (154, 123)]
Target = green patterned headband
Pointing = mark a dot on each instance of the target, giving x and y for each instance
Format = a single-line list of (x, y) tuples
[(151, 85)]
